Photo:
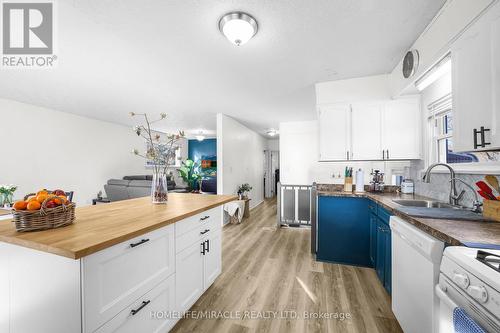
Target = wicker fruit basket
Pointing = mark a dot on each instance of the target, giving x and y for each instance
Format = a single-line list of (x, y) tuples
[(45, 218)]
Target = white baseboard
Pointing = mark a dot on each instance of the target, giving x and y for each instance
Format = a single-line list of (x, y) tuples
[(257, 205)]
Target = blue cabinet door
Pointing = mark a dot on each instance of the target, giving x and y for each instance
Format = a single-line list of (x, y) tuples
[(380, 258), (373, 239), (344, 230), (388, 260)]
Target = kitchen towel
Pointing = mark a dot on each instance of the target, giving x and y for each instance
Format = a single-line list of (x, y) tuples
[(465, 324), (235, 207)]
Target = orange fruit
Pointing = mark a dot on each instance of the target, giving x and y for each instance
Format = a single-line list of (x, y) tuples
[(20, 205), (32, 198), (41, 197), (33, 205), (44, 191), (60, 199)]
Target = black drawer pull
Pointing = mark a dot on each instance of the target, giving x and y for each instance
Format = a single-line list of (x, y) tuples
[(208, 245), (203, 248), (139, 243), (204, 232), (204, 218), (144, 303)]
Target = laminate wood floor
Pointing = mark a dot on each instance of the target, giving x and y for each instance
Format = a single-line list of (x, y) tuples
[(270, 281)]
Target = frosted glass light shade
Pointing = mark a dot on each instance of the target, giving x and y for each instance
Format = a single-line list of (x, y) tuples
[(238, 27)]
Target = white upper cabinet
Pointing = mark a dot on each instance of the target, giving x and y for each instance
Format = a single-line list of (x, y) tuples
[(495, 31), (401, 129), (334, 131), (366, 131), (475, 77), (382, 130)]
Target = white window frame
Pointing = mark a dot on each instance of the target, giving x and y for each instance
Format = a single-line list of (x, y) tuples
[(435, 109)]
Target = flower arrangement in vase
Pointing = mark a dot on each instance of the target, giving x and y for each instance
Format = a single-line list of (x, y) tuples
[(243, 189), (160, 154), (6, 194)]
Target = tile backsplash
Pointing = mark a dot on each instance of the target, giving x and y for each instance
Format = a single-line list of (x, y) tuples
[(439, 187)]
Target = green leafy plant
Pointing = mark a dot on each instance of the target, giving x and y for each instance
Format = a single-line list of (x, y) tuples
[(189, 172), (244, 188)]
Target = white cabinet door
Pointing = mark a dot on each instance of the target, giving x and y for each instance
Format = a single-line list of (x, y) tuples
[(495, 31), (366, 131), (189, 276), (401, 124), (334, 132), (150, 313), (213, 258), (472, 85), (115, 277)]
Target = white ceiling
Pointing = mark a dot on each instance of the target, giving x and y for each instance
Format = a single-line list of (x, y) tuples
[(168, 56)]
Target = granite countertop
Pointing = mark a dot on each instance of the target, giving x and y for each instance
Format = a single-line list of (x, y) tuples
[(453, 232)]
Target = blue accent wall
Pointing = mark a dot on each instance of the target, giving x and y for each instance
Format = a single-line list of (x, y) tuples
[(202, 150)]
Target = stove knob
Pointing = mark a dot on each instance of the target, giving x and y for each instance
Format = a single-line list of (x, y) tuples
[(479, 293), (462, 280)]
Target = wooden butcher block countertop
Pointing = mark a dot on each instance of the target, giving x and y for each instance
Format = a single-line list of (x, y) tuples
[(99, 227)]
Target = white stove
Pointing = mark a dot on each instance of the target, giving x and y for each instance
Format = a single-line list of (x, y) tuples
[(470, 279)]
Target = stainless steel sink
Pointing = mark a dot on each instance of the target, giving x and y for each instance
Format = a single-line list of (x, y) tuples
[(423, 204), (436, 210)]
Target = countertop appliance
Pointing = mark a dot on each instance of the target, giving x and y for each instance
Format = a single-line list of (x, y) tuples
[(407, 186), (416, 257), (470, 281), (377, 182)]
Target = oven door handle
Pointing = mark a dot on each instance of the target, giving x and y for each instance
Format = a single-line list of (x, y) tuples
[(444, 297)]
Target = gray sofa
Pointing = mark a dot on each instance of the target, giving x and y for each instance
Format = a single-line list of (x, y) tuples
[(131, 187)]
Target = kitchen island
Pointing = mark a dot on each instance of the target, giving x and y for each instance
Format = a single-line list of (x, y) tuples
[(128, 266)]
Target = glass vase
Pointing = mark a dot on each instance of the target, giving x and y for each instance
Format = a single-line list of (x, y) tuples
[(8, 199), (159, 190)]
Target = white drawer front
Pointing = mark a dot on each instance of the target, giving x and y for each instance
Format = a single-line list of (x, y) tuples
[(149, 313), (115, 277), (195, 221), (204, 230)]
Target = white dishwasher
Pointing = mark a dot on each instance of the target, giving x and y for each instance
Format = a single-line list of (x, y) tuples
[(416, 258)]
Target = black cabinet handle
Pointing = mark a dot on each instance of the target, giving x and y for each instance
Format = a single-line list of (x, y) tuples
[(204, 218), (208, 245), (139, 243), (203, 250), (383, 154), (387, 153), (204, 232), (482, 132), (144, 303)]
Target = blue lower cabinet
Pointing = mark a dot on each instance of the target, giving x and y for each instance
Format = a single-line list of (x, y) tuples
[(373, 239), (344, 230), (388, 260), (383, 261), (380, 256)]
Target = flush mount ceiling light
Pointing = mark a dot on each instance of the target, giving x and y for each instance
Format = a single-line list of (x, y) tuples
[(272, 132), (200, 136), (238, 27)]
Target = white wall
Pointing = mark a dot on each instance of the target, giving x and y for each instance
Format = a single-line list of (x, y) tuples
[(435, 41), (240, 158), (299, 151), (273, 144), (43, 148), (367, 88)]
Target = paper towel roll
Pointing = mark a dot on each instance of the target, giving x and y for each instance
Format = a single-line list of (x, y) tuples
[(360, 181)]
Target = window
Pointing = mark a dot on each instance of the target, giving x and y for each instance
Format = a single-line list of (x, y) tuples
[(441, 129)]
